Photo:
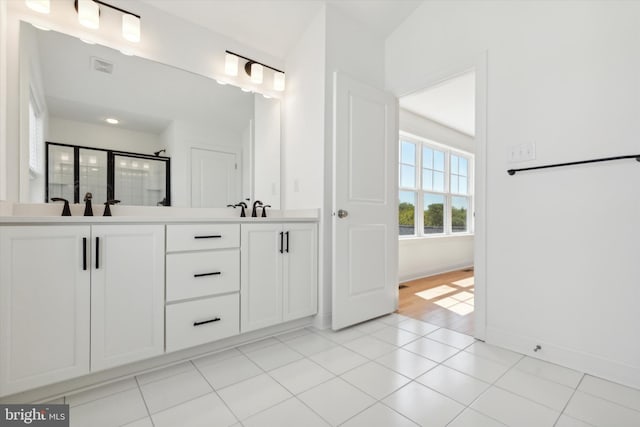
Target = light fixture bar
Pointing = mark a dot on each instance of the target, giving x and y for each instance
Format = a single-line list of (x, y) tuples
[(116, 8), (253, 60)]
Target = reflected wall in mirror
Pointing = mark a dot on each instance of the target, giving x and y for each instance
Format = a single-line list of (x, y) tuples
[(224, 143)]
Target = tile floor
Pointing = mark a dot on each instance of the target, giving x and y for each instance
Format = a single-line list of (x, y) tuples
[(392, 371)]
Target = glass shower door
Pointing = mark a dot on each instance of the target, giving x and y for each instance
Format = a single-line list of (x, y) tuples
[(140, 181)]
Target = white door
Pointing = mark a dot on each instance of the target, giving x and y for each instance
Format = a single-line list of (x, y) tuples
[(300, 271), (260, 275), (365, 242), (127, 294), (44, 305), (215, 178)]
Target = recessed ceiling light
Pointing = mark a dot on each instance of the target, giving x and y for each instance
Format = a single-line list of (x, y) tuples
[(221, 82), (111, 121), (244, 89)]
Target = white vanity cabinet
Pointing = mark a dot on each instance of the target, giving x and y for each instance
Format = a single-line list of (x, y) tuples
[(203, 283), (278, 273), (76, 299)]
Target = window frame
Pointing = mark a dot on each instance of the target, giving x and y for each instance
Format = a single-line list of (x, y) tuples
[(419, 192)]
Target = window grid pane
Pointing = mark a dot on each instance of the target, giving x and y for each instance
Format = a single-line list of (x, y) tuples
[(459, 214), (433, 213), (407, 213)]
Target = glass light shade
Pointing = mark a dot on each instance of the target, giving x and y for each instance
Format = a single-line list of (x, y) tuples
[(256, 73), (42, 6), (89, 14), (231, 65), (131, 28), (278, 81)]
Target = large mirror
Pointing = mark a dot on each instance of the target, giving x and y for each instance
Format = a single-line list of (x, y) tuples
[(224, 144)]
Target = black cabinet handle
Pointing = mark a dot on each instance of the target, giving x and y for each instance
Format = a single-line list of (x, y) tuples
[(204, 322), (215, 273), (215, 236), (97, 253), (281, 242), (84, 253), (287, 233)]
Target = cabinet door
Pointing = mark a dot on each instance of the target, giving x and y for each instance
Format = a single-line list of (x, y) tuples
[(127, 294), (44, 305), (300, 271), (261, 276)]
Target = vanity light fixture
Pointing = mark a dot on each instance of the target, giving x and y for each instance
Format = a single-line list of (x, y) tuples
[(41, 6), (89, 16), (254, 69), (112, 121)]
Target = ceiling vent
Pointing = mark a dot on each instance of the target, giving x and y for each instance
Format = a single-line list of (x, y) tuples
[(101, 65)]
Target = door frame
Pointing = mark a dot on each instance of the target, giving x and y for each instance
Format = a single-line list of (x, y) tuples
[(480, 65)]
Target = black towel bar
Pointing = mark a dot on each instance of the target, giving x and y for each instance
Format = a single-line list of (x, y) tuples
[(581, 162)]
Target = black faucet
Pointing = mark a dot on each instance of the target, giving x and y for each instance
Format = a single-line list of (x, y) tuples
[(243, 205), (264, 210), (256, 204), (88, 211), (107, 206), (66, 211)]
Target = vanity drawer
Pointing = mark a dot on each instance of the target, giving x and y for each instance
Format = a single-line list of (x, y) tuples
[(195, 237), (194, 322), (197, 274)]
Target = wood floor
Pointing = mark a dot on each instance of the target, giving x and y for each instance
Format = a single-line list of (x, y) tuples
[(445, 300)]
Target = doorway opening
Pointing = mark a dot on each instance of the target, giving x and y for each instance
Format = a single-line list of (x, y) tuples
[(437, 152)]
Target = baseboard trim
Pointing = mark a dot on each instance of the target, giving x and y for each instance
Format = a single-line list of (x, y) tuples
[(422, 275), (588, 363)]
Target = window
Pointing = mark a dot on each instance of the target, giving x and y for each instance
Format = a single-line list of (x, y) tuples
[(435, 180), (36, 139)]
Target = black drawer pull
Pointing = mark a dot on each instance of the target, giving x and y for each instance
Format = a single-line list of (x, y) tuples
[(215, 273), (97, 253), (84, 253), (214, 236), (204, 322)]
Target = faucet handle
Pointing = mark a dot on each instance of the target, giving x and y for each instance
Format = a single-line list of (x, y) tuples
[(107, 206), (264, 210), (88, 196), (66, 211)]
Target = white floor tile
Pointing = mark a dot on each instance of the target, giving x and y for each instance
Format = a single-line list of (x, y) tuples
[(143, 422), (567, 421), (545, 392), (229, 371), (600, 412), (514, 410), (430, 349), (550, 371), (310, 344), (476, 366), (342, 336), (216, 357), (163, 394), (497, 354), (370, 347), (258, 344), (338, 359), (379, 415), (167, 372), (395, 336), (471, 418), (115, 410), (461, 308), (393, 318), (406, 363), (423, 405), (370, 326), (205, 411), (290, 413), (456, 385), (336, 400), (452, 338), (375, 380), (301, 375), (292, 334), (417, 326), (253, 395), (273, 356), (617, 393), (101, 391)]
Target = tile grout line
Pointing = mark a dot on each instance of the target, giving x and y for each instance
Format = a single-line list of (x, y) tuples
[(144, 401), (216, 392)]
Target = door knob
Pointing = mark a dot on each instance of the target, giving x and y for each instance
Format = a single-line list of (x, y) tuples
[(342, 213)]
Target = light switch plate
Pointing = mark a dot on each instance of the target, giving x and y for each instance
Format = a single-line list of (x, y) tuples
[(522, 152)]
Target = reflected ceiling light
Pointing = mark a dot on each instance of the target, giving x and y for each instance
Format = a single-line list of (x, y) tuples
[(278, 81), (89, 16), (134, 164), (64, 157), (93, 160), (40, 27), (123, 163), (254, 69), (231, 64), (87, 41), (221, 82), (112, 121), (41, 6), (145, 165), (244, 89), (126, 52)]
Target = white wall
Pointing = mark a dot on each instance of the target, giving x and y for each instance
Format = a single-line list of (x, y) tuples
[(73, 132), (561, 244), (266, 151), (421, 257)]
